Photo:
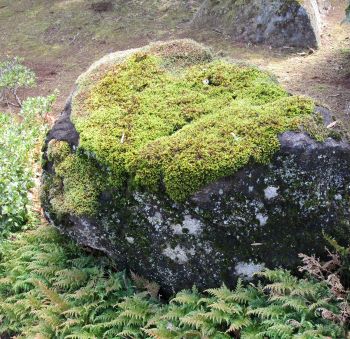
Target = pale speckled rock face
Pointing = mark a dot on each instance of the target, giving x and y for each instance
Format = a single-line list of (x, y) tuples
[(277, 23), (262, 216)]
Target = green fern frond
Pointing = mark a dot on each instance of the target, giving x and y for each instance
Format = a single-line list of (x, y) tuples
[(70, 278), (222, 293), (271, 311), (280, 331), (195, 319), (238, 323), (74, 312), (174, 313), (82, 335), (217, 316), (186, 297), (226, 308), (296, 303), (160, 333), (53, 296)]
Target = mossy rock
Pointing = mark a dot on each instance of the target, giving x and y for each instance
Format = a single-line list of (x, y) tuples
[(275, 22), (189, 169)]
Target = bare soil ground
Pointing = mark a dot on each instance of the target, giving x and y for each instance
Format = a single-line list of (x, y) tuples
[(59, 39)]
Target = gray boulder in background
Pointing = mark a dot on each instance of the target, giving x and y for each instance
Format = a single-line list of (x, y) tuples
[(273, 22)]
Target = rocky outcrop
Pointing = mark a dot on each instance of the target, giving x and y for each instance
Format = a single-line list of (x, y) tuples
[(248, 181), (276, 23)]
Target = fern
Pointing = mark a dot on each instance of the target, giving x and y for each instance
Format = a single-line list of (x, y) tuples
[(50, 287)]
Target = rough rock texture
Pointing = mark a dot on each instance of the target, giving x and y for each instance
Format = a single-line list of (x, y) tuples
[(277, 23), (260, 215)]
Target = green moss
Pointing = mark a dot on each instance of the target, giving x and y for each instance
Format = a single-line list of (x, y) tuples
[(313, 125), (217, 145), (58, 150), (77, 185), (179, 128)]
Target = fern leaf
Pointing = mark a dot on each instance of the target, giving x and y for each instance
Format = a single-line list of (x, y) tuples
[(239, 323)]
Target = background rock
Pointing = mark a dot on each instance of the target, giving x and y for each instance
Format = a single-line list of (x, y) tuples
[(277, 23)]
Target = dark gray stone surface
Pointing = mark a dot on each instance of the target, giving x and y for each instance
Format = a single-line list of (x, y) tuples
[(262, 216)]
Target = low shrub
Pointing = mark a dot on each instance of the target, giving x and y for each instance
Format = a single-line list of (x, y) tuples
[(16, 145), (13, 76), (18, 137)]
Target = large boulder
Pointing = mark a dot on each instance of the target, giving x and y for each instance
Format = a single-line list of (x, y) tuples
[(190, 170), (274, 22)]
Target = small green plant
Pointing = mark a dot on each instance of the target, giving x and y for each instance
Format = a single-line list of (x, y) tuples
[(16, 145), (38, 108), (13, 76), (17, 150)]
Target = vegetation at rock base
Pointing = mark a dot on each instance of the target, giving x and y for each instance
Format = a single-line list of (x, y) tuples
[(51, 288), (149, 123), (16, 179)]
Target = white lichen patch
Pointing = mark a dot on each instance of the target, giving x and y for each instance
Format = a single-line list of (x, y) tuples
[(178, 254), (271, 192), (189, 226), (246, 270), (156, 220), (262, 218), (194, 226), (130, 240), (177, 229)]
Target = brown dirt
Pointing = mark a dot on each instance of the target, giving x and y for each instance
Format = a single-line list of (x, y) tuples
[(61, 39)]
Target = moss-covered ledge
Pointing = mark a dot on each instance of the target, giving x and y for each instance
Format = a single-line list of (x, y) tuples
[(160, 121)]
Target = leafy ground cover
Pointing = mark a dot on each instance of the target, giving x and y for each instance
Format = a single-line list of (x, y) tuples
[(51, 289), (17, 142), (20, 137)]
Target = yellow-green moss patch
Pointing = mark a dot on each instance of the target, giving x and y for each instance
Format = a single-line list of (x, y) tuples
[(77, 185), (177, 128), (57, 150)]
